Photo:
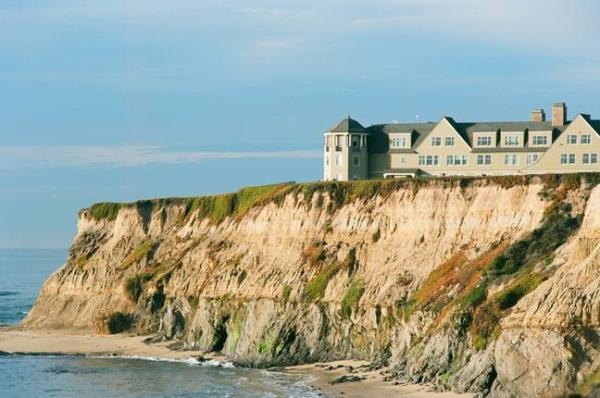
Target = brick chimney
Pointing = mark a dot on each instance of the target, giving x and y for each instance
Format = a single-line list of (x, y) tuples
[(538, 115), (559, 114)]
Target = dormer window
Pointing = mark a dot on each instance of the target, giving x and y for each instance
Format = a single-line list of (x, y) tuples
[(398, 142), (511, 140), (540, 140), (484, 141)]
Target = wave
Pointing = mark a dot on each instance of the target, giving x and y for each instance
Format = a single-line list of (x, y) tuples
[(8, 294), (210, 363)]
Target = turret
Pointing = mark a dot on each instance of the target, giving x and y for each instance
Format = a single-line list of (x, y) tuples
[(346, 155)]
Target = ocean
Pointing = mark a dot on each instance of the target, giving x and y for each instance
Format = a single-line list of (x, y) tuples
[(22, 273)]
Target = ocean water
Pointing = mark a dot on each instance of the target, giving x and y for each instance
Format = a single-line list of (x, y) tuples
[(22, 273)]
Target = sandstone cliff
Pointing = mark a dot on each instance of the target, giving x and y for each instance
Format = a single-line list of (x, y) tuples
[(483, 285)]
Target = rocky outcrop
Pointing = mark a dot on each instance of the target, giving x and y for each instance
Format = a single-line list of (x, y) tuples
[(402, 273)]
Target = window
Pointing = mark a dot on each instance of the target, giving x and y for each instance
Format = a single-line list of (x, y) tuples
[(511, 140), (449, 141), (590, 158), (484, 141), (436, 141), (585, 139), (429, 160), (326, 160), (356, 160), (567, 158), (355, 140), (398, 142), (540, 140), (484, 160), (456, 160), (511, 159), (571, 139), (338, 140), (532, 157), (339, 160)]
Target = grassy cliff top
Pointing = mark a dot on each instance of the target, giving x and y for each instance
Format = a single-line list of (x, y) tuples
[(236, 204)]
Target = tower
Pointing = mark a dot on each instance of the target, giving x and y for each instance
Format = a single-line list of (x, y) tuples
[(345, 155)]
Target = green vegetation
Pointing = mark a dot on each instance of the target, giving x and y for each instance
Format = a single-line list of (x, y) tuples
[(138, 254), (315, 288), (351, 298), (82, 260), (474, 297), (113, 322), (520, 259), (585, 387), (105, 211), (218, 207), (267, 345), (285, 294), (558, 226), (134, 286)]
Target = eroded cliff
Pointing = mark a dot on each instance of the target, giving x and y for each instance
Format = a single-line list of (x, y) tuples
[(484, 285)]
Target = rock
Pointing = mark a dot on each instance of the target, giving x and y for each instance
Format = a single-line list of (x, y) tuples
[(347, 379), (265, 287)]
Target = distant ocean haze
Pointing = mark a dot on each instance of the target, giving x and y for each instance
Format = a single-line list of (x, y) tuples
[(23, 271)]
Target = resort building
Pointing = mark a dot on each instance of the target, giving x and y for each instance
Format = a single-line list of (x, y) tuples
[(449, 148)]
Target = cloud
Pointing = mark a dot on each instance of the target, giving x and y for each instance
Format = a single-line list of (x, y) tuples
[(35, 157)]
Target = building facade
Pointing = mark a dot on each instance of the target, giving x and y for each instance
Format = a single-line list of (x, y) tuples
[(449, 148)]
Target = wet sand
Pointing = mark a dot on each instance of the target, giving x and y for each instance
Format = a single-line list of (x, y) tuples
[(319, 375)]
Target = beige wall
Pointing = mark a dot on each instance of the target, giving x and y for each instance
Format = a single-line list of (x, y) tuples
[(548, 158), (339, 164), (550, 162)]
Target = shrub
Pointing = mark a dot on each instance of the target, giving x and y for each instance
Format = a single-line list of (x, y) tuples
[(134, 286), (557, 227), (113, 322), (315, 253), (474, 297), (285, 293), (351, 298), (315, 288), (138, 254), (105, 211)]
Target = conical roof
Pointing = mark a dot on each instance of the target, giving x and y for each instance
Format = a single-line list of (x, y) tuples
[(348, 125)]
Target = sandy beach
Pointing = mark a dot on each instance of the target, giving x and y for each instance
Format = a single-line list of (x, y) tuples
[(319, 375)]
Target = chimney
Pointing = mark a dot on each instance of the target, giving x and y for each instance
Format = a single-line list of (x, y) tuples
[(538, 115), (559, 114)]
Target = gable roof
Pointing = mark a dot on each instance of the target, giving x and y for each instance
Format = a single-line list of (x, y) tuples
[(379, 142), (347, 125)]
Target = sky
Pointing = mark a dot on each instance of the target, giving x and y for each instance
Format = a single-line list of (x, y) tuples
[(120, 100)]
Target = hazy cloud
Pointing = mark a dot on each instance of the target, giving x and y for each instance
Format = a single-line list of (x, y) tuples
[(31, 157)]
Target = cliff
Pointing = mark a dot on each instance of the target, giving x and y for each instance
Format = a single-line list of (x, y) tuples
[(484, 285)]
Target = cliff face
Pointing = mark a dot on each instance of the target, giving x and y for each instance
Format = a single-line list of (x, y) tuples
[(488, 285)]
